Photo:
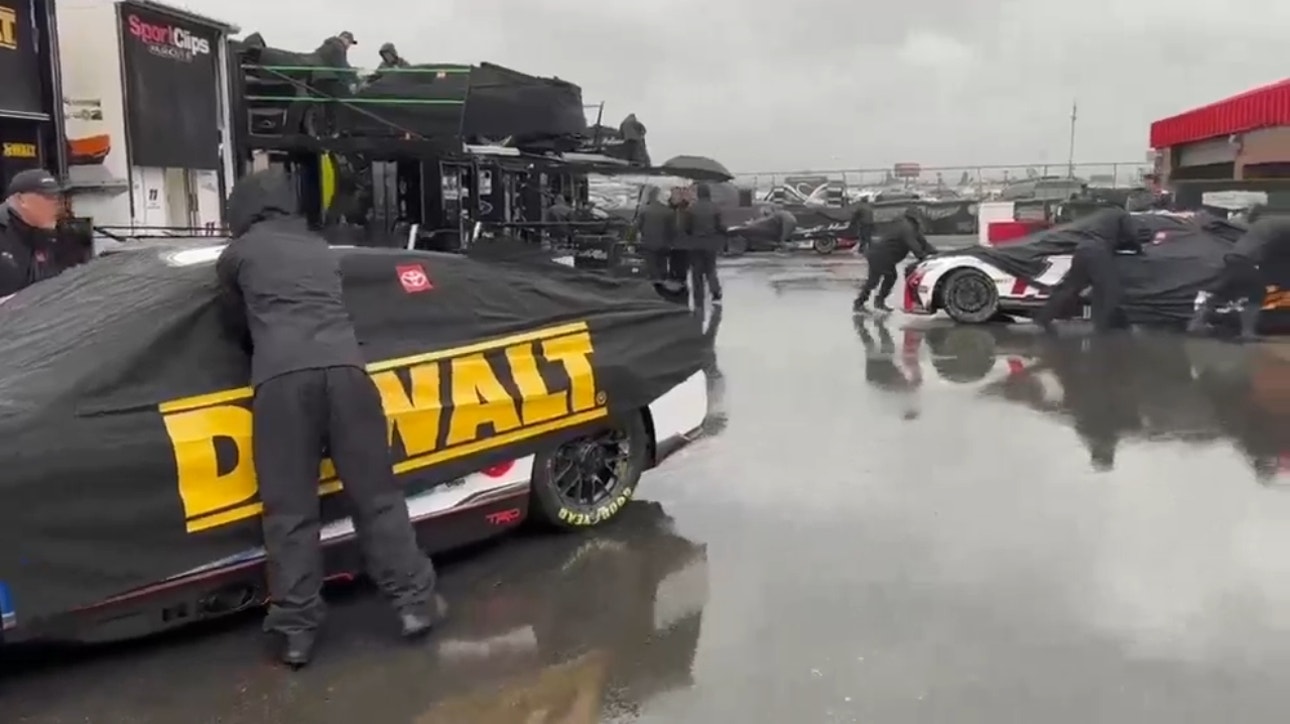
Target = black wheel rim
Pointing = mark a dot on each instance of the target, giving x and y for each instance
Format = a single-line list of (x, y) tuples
[(586, 471), (971, 294)]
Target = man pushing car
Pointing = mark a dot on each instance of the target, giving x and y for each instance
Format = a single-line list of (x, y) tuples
[(1241, 278), (280, 290)]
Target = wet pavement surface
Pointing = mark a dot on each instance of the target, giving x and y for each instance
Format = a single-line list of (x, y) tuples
[(892, 520)]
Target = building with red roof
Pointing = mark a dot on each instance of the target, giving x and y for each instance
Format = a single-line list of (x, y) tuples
[(1244, 137)]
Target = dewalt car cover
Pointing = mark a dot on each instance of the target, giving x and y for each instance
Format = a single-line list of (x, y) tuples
[(124, 410)]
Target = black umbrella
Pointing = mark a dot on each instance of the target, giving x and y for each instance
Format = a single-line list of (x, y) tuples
[(698, 168)]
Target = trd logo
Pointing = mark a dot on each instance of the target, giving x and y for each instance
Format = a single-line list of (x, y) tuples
[(504, 517), (8, 28)]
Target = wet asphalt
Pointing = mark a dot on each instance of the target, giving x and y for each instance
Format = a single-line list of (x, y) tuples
[(891, 520)]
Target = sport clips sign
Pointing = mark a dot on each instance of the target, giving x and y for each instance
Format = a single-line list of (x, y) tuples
[(171, 87), (165, 39)]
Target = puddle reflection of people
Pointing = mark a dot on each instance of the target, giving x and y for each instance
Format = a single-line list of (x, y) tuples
[(1096, 376), (1250, 393), (889, 369)]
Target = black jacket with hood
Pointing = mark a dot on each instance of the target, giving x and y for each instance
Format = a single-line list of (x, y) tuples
[(905, 237), (281, 284), (1266, 237)]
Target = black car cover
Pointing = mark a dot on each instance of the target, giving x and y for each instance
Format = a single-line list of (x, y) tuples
[(1182, 254), (123, 405)]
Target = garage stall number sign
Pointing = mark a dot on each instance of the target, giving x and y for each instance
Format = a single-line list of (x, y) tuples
[(172, 113), (439, 406), (20, 66)]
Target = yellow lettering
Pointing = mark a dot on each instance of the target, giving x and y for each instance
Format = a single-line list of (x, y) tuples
[(478, 398), (20, 150), (574, 354), (413, 415), (8, 29), (202, 488), (537, 404)]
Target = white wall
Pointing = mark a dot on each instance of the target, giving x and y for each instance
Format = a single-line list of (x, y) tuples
[(93, 90)]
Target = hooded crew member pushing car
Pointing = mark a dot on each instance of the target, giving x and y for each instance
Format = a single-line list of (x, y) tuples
[(281, 286), (1242, 279), (1093, 268), (905, 238)]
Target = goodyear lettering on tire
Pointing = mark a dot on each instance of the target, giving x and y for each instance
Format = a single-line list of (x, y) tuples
[(600, 514)]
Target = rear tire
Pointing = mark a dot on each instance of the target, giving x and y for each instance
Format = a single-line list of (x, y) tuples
[(588, 481), (825, 245), (969, 297), (736, 246)]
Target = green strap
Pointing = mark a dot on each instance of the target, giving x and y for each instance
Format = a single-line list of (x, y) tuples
[(362, 101), (312, 68)]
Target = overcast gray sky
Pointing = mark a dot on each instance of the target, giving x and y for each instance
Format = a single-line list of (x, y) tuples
[(837, 84)]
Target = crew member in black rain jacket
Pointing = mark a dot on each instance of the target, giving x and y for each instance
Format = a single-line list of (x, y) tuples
[(29, 250), (705, 234), (1110, 231), (281, 287), (905, 238), (656, 224), (1241, 278)]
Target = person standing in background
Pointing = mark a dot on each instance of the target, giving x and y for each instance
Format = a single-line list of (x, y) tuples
[(28, 223), (656, 227), (861, 225), (705, 237), (678, 256)]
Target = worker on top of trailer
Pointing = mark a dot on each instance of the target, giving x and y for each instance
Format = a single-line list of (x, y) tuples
[(390, 57), (633, 133)]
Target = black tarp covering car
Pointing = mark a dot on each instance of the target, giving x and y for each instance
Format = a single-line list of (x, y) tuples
[(1182, 254), (499, 103), (98, 363)]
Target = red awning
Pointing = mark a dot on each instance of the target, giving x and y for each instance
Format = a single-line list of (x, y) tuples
[(1262, 107)]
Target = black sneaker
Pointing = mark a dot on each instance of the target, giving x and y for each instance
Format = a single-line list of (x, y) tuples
[(298, 648)]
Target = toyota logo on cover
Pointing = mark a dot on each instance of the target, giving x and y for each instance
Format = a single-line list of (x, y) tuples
[(168, 41)]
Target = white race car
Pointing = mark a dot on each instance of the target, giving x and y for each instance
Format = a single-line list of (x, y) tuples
[(972, 290), (1182, 254)]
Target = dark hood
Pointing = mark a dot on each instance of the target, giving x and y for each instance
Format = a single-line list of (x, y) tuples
[(262, 195)]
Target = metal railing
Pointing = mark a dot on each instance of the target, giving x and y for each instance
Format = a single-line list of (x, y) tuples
[(1113, 174)]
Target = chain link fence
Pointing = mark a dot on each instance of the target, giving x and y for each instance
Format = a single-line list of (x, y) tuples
[(976, 181)]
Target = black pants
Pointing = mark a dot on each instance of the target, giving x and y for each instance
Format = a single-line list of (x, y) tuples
[(882, 276), (703, 274), (1239, 280), (298, 417), (678, 265), (1092, 267), (655, 264)]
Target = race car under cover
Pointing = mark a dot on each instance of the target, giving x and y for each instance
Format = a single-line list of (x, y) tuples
[(1182, 254), (130, 495)]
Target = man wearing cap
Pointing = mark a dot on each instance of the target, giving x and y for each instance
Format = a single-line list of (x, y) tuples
[(28, 219), (335, 78)]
